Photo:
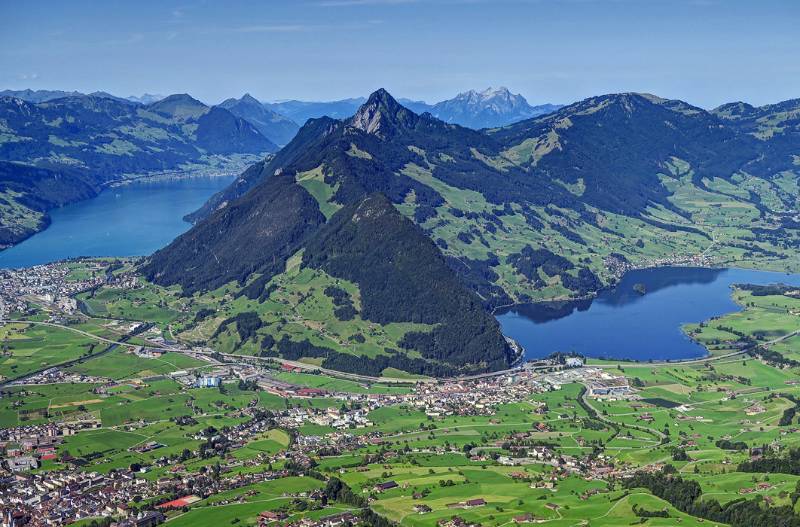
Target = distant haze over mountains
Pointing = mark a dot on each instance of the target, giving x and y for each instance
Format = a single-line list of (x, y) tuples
[(489, 108), (279, 121), (274, 126)]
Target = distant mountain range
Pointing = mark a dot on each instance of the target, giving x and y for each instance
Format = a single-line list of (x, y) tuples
[(101, 138), (279, 121), (302, 111), (147, 98), (474, 109), (402, 219), (49, 95), (276, 127), (489, 108)]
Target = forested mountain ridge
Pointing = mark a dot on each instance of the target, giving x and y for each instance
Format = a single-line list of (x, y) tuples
[(550, 208), (107, 138), (28, 192)]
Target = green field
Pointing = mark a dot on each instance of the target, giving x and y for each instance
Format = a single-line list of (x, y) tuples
[(27, 348)]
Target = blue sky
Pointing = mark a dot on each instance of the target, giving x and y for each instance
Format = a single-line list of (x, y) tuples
[(703, 51)]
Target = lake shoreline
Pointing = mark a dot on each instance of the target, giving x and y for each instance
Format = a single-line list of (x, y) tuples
[(131, 219), (233, 169), (600, 326)]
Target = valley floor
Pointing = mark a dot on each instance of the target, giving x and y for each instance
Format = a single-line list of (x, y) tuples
[(107, 400)]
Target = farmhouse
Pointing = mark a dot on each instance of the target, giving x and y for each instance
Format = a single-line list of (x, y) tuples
[(382, 487), (144, 519), (476, 502), (271, 516)]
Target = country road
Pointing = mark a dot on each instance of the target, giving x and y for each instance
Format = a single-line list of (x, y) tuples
[(386, 380)]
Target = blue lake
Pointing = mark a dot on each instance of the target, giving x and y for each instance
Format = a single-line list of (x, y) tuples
[(129, 220), (624, 324)]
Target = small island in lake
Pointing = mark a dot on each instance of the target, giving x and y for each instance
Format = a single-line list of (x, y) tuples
[(640, 288)]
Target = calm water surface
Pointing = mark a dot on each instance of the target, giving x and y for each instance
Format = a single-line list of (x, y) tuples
[(130, 220), (623, 324)]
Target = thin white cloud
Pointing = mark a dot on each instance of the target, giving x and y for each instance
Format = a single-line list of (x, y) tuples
[(273, 28), (345, 3), (295, 28)]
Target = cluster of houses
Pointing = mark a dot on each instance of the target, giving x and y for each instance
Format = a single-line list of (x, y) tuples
[(58, 498), (48, 284), (618, 265), (58, 376), (23, 448), (52, 285)]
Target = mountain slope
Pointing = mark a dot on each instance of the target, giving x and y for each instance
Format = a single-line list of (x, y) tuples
[(615, 145), (402, 277), (108, 137), (256, 234), (275, 127)]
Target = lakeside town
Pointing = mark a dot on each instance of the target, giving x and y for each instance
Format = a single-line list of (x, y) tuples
[(69, 494)]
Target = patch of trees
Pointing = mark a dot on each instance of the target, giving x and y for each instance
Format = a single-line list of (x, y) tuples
[(644, 513), (247, 323), (770, 356), (568, 234), (766, 290), (203, 314), (584, 283), (423, 213), (726, 444), (788, 415), (339, 491), (258, 289), (248, 386), (479, 276), (671, 227), (680, 454), (787, 464), (344, 309), (685, 496), (529, 260), (267, 343), (334, 360), (465, 237)]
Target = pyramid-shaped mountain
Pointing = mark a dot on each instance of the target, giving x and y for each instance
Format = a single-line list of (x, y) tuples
[(552, 207)]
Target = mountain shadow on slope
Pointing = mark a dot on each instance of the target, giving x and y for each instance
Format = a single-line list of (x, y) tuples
[(403, 277), (256, 234)]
